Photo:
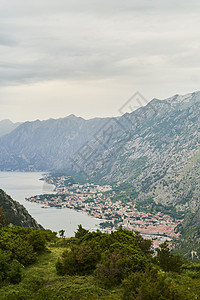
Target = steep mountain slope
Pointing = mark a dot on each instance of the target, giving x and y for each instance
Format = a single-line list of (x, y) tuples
[(46, 145), (190, 235), (15, 212), (160, 156), (6, 126)]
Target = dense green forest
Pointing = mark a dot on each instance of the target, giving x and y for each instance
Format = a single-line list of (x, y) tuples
[(36, 264)]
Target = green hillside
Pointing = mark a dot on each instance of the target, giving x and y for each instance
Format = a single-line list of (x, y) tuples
[(16, 213), (93, 265), (189, 240)]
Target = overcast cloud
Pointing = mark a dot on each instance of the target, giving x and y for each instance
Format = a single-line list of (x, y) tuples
[(88, 57)]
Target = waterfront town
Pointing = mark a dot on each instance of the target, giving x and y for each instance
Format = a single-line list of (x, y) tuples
[(97, 201)]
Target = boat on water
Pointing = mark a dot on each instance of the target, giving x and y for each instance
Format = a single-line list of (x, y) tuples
[(45, 206)]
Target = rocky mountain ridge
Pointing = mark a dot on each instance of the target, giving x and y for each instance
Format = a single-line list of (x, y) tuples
[(163, 160), (45, 145), (155, 148)]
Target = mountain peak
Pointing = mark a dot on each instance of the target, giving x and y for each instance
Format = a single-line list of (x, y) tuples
[(73, 117), (6, 121), (195, 97)]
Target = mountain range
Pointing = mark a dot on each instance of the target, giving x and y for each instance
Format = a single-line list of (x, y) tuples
[(6, 126), (155, 149), (45, 145)]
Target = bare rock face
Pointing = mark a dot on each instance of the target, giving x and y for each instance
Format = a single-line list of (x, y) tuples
[(16, 213)]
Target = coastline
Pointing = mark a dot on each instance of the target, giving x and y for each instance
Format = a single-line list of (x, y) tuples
[(76, 198)]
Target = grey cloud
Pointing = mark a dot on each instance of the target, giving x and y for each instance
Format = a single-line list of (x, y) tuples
[(7, 40), (14, 8), (78, 46), (145, 42)]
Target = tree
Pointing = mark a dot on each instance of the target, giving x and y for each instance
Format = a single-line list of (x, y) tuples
[(144, 244), (81, 232), (167, 260), (61, 233), (3, 220)]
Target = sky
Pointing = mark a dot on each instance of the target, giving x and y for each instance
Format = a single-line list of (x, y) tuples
[(88, 57)]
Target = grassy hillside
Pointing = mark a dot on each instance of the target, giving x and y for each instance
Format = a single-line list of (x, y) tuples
[(135, 275), (40, 281)]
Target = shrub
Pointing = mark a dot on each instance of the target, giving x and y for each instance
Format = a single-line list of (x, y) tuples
[(78, 260), (117, 263), (110, 271), (167, 260), (37, 240), (14, 273), (150, 285), (9, 270)]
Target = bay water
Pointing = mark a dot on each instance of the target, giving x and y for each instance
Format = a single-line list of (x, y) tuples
[(21, 185)]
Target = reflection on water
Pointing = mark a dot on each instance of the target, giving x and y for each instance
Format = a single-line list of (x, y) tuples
[(21, 185)]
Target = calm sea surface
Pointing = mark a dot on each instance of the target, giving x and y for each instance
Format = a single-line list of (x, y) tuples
[(20, 185)]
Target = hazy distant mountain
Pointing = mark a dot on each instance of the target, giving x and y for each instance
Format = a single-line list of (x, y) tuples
[(45, 145), (6, 126)]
